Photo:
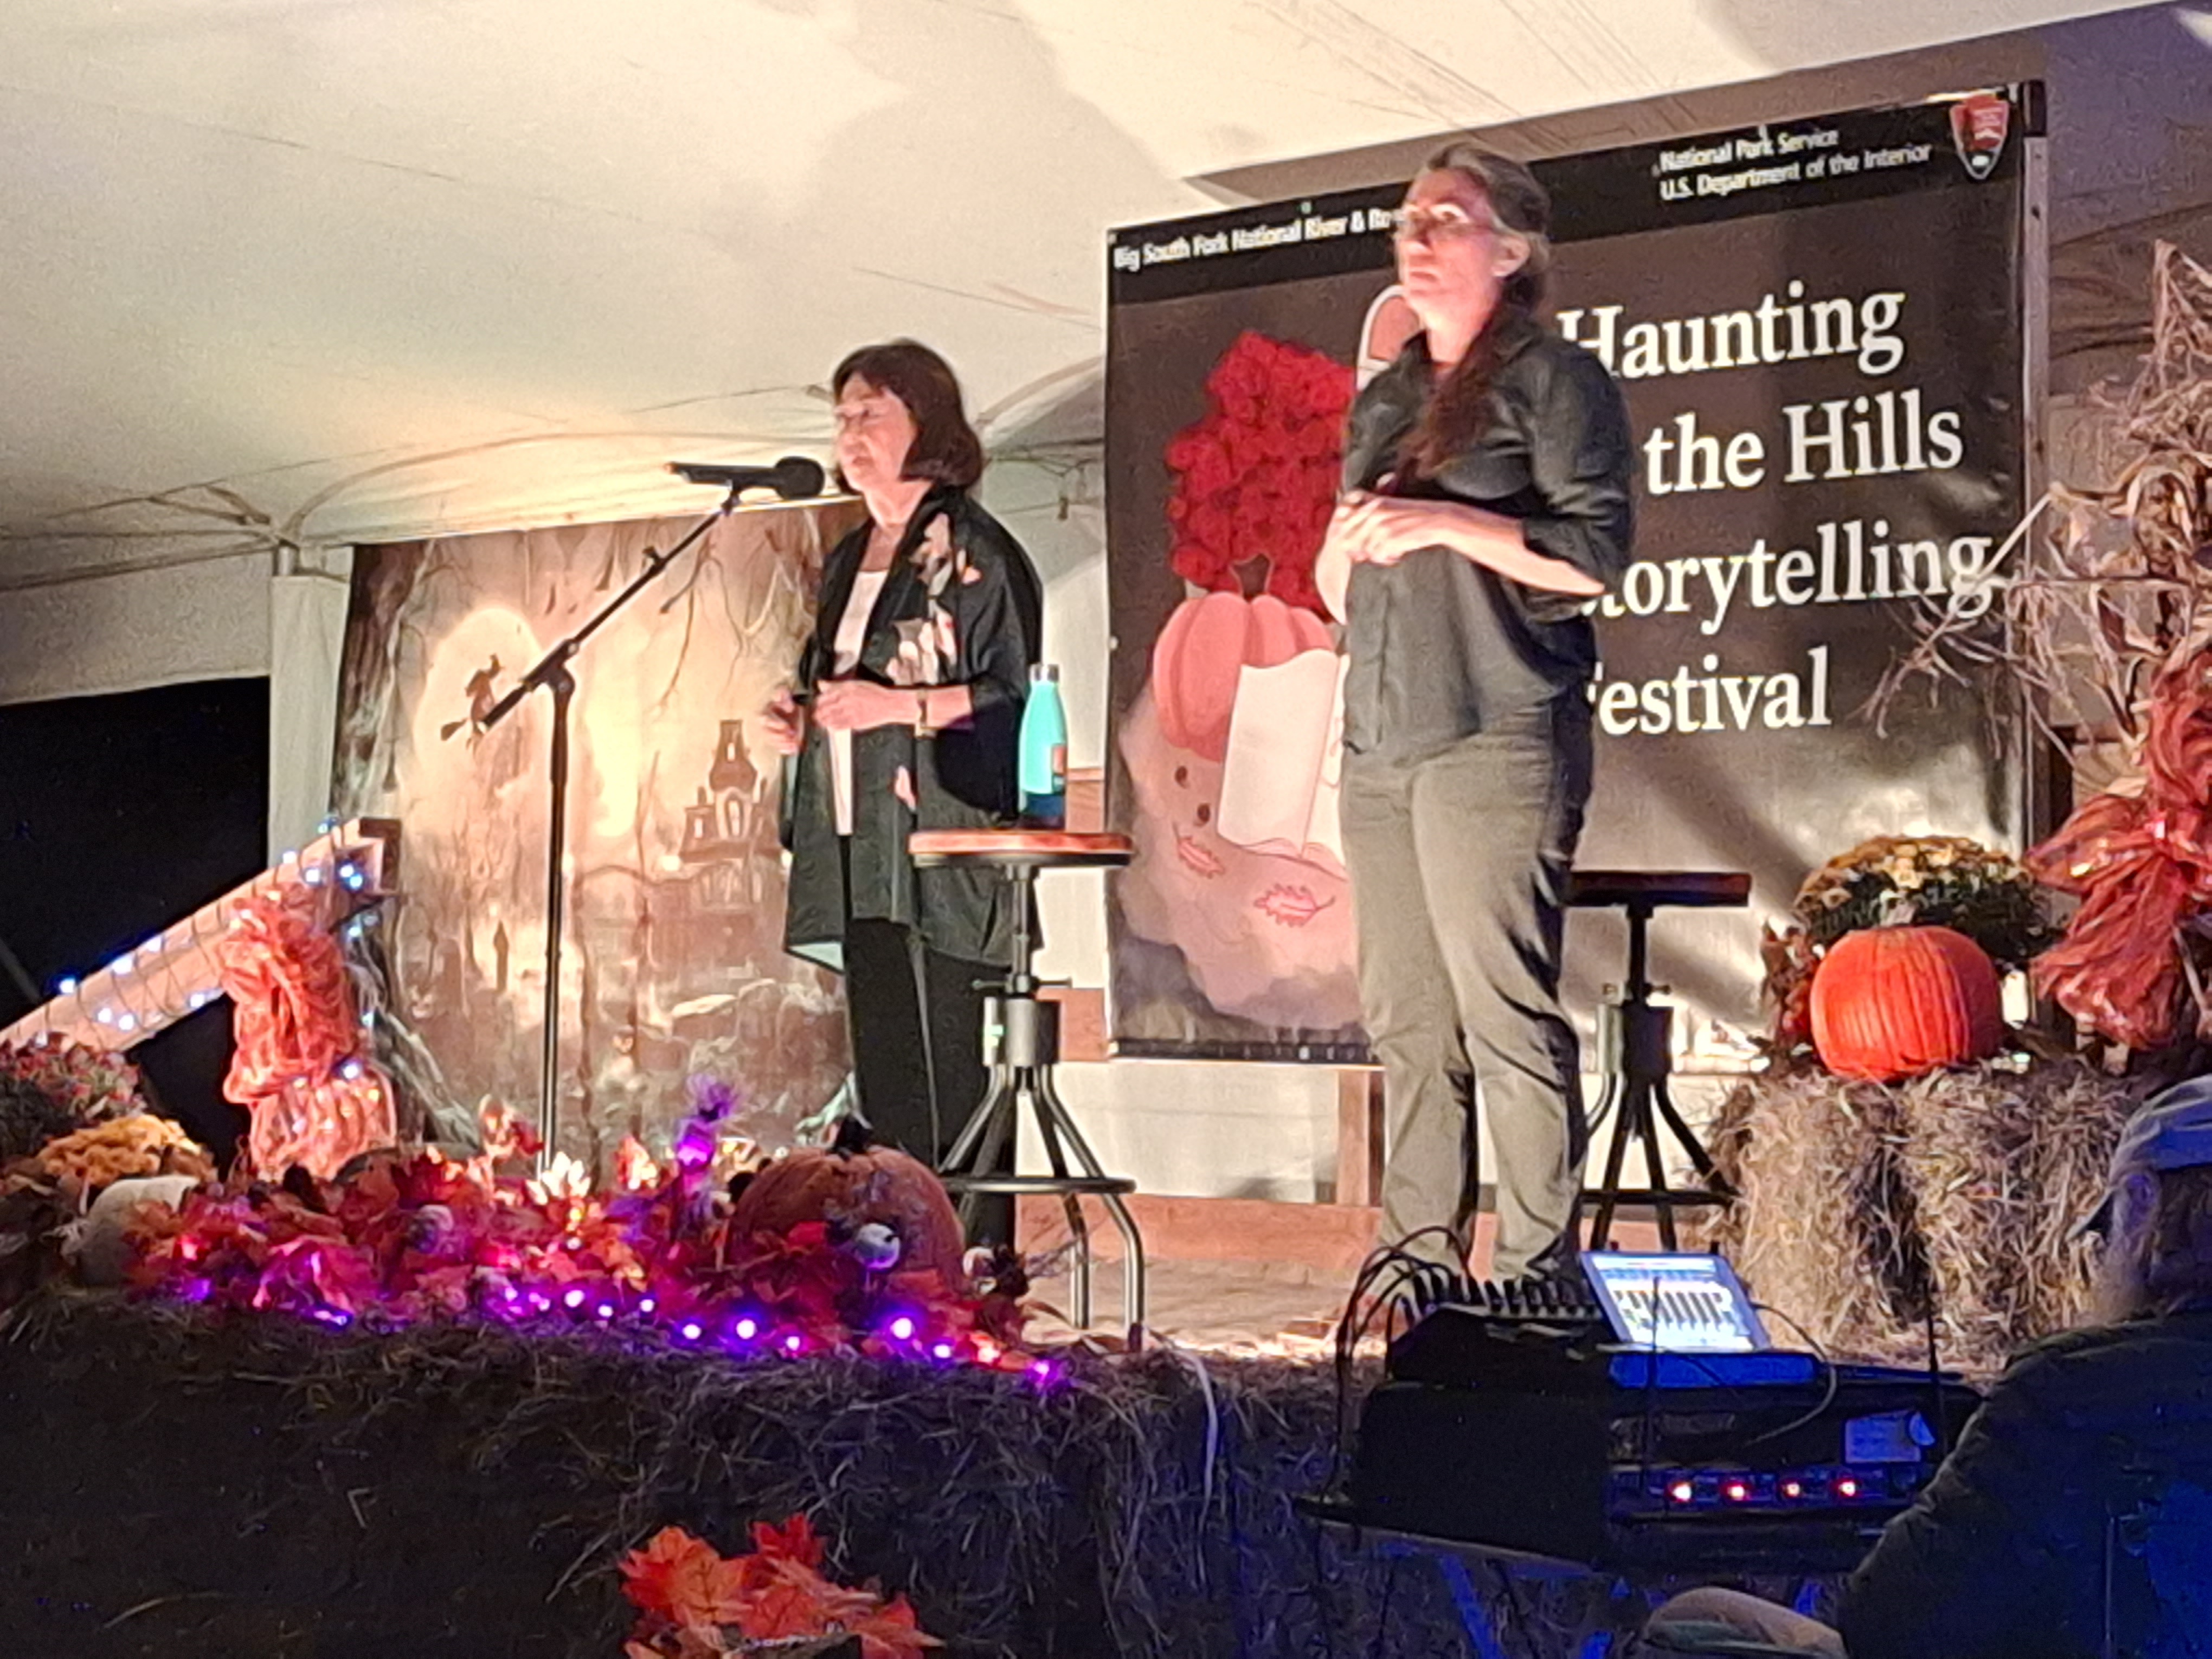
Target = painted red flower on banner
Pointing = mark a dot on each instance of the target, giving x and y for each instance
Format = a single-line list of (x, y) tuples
[(1256, 478)]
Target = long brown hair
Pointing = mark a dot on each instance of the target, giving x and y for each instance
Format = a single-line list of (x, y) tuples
[(945, 448), (1460, 407)]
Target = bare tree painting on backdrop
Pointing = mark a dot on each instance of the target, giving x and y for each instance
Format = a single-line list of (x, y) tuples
[(673, 966)]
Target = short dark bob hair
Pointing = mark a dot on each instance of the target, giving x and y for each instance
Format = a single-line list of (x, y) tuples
[(945, 448)]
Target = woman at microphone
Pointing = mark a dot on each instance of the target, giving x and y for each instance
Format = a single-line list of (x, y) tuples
[(904, 714), (1486, 479)]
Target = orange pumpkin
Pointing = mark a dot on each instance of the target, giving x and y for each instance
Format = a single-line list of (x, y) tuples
[(1207, 639), (849, 1185), (1894, 1002)]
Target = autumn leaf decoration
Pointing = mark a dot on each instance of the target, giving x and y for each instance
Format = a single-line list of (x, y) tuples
[(1289, 906), (693, 1603)]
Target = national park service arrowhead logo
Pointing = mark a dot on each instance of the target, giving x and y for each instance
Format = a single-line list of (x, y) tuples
[(1978, 124)]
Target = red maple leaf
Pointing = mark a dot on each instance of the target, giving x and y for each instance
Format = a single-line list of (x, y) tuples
[(679, 1578)]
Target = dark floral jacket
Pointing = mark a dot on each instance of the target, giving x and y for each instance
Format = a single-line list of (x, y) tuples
[(960, 605)]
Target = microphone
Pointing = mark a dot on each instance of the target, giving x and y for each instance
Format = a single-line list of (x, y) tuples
[(795, 477)]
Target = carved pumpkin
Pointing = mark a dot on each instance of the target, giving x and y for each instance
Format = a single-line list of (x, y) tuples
[(1894, 1002), (1207, 639), (851, 1185)]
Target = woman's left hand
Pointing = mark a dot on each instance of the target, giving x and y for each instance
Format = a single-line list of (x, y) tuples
[(861, 706), (1383, 529)]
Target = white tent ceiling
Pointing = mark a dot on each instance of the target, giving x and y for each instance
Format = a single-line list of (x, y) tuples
[(350, 270)]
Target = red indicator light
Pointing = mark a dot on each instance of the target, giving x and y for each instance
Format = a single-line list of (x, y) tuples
[(1736, 1491), (1681, 1492), (1847, 1488), (1793, 1489)]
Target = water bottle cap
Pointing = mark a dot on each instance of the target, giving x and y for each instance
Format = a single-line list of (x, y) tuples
[(1043, 672)]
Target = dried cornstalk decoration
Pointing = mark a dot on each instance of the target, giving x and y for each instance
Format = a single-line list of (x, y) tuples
[(1865, 1208), (2097, 591), (2104, 623)]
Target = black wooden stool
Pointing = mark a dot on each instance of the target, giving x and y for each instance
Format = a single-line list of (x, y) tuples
[(1638, 1060), (1027, 1028)]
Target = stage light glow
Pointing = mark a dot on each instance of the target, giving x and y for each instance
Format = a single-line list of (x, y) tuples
[(746, 1327), (647, 1304), (65, 987), (794, 1343), (606, 1310), (1736, 1491), (1793, 1489), (942, 1351), (1847, 1488), (901, 1329), (690, 1330), (573, 1300), (1681, 1492)]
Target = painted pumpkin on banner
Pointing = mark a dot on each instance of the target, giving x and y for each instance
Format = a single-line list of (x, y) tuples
[(1208, 640), (1895, 1002), (854, 1185)]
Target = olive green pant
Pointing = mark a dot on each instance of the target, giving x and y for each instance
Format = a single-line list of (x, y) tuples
[(1459, 864)]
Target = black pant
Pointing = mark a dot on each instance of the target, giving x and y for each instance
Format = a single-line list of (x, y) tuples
[(917, 1027)]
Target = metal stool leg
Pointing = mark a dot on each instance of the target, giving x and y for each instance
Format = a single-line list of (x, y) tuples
[(1037, 1083), (1655, 1165), (1616, 1151), (1021, 1071), (1700, 1160), (1055, 1111)]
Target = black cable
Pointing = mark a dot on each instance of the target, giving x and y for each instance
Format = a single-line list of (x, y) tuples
[(1324, 1613), (1828, 1399), (1941, 1422), (1354, 1324), (1382, 1609)]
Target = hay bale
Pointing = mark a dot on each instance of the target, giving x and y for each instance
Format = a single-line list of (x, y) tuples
[(223, 1486), (1864, 1207)]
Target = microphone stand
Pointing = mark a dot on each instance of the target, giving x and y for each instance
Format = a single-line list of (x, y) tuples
[(552, 674)]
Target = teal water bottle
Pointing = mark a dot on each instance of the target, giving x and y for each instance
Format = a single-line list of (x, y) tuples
[(1042, 768)]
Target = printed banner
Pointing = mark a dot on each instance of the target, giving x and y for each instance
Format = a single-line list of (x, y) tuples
[(673, 972), (1818, 328)]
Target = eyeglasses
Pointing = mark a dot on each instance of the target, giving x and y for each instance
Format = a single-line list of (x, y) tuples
[(1439, 224)]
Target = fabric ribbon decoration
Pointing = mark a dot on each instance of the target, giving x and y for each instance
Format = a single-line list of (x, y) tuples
[(315, 1102), (2142, 865)]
